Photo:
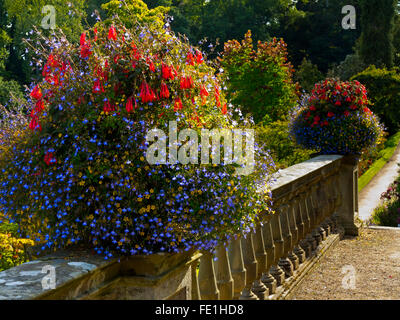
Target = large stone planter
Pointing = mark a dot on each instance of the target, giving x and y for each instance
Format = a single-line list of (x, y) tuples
[(154, 277)]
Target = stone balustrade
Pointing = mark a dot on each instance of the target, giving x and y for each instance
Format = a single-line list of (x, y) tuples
[(313, 201)]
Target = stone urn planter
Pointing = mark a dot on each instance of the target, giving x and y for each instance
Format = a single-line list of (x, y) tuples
[(159, 276)]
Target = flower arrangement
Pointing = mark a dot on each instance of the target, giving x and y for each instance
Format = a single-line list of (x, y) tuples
[(336, 119), (80, 175)]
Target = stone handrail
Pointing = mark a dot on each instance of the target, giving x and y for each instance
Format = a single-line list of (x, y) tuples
[(311, 200)]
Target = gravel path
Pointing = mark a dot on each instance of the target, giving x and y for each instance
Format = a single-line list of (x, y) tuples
[(374, 257)]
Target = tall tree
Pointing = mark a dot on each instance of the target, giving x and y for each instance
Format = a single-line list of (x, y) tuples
[(316, 32), (377, 21)]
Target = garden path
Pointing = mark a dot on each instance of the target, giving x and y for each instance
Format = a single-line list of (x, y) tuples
[(369, 197), (374, 260)]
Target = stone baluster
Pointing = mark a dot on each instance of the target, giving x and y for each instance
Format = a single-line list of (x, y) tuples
[(292, 218), (267, 278), (301, 218), (312, 211), (318, 207), (325, 206), (207, 281), (250, 264), (259, 287), (285, 263), (238, 270), (276, 270), (223, 274)]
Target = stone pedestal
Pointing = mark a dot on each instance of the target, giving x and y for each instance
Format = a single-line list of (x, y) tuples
[(348, 185)]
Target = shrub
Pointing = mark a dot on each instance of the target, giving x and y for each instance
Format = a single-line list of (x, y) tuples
[(81, 175), (12, 251), (336, 119), (275, 138), (259, 80), (308, 74), (384, 92), (388, 213), (10, 94)]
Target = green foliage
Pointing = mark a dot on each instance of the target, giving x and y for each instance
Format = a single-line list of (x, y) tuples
[(384, 92), (388, 213), (223, 20), (5, 40), (135, 11), (285, 152), (22, 16), (317, 33), (259, 80), (377, 23), (308, 75), (349, 67), (11, 93)]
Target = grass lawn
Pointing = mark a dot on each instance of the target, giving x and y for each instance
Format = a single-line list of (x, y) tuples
[(385, 155)]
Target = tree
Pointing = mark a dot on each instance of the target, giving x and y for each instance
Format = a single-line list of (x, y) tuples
[(377, 22), (23, 15), (308, 74), (259, 79), (315, 32)]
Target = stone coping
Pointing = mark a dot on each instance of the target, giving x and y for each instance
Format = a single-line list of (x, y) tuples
[(292, 178), (31, 280)]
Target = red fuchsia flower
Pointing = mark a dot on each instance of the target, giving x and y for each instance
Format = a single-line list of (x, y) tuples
[(367, 110), (338, 103), (164, 93), (95, 34), (112, 33), (36, 93), (39, 106), (331, 114), (224, 109), (199, 57), (178, 104), (97, 86), (151, 64), (316, 119), (308, 114), (35, 124), (85, 51), (82, 40), (186, 82), (167, 72), (326, 123), (353, 107), (108, 107), (146, 93), (346, 113), (49, 158), (312, 108), (190, 59), (129, 105)]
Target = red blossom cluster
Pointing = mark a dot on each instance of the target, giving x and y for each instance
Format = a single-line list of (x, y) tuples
[(333, 98)]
